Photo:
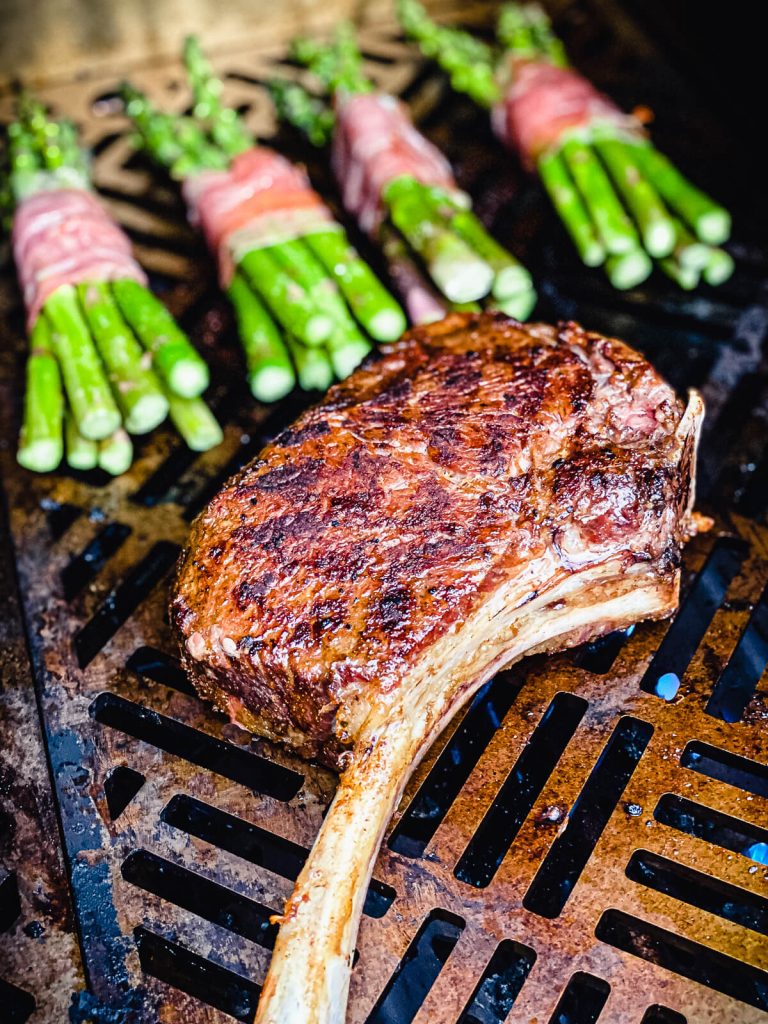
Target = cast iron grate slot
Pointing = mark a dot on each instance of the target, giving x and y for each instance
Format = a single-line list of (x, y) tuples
[(453, 767), (692, 621), (124, 600), (10, 902), (520, 790), (499, 985), (715, 827), (156, 489), (417, 972), (234, 763), (18, 1005), (690, 959), (599, 656), (739, 678), (582, 1001), (178, 966), (662, 1015), (561, 868), (711, 894), (60, 516), (78, 573), (255, 844), (727, 767), (201, 896), (120, 787), (149, 663)]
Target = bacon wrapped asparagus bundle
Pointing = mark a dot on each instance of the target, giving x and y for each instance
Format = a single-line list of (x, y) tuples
[(106, 358), (400, 187), (622, 202), (306, 303)]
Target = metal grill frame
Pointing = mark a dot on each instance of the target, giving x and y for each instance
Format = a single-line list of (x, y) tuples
[(82, 797)]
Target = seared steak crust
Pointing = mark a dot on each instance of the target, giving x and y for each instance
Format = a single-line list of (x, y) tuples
[(323, 572)]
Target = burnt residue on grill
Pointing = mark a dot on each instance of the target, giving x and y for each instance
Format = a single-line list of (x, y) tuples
[(589, 842)]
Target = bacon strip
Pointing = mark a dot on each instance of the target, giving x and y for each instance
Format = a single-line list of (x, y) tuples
[(260, 200), (543, 102), (375, 142), (65, 236)]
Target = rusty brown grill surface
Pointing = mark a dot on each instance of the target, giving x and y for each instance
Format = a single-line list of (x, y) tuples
[(588, 842)]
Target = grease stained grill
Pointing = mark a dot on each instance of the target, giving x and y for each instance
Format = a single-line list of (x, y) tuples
[(588, 842)]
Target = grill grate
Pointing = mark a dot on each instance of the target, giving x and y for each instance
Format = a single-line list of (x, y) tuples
[(589, 842)]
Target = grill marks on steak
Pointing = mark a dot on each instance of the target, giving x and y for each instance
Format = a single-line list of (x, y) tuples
[(321, 574)]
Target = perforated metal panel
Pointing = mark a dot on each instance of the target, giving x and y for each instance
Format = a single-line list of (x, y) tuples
[(588, 842)]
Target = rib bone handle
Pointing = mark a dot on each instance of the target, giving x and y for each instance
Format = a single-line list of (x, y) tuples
[(308, 979)]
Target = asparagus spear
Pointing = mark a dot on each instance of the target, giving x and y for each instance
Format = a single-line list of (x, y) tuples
[(41, 442), (116, 453), (421, 300), (173, 357), (136, 389), (568, 203), (286, 299), (719, 267), (627, 269), (614, 228), (459, 272), (313, 365), (652, 218), (368, 299), (270, 374), (710, 221), (509, 276), (90, 398), (82, 453), (195, 422)]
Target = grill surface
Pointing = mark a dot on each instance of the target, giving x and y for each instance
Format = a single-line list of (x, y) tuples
[(588, 842)]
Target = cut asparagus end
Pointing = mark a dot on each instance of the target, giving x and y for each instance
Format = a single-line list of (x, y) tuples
[(685, 277), (116, 453), (694, 255), (270, 383), (628, 269), (713, 226), (98, 423), (313, 366), (195, 422), (41, 455), (461, 278), (82, 453), (510, 281), (719, 267), (347, 349), (519, 306), (659, 238), (318, 328), (387, 324), (146, 413), (187, 377)]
